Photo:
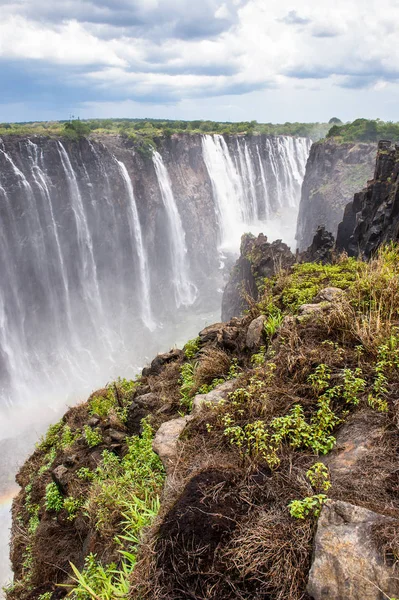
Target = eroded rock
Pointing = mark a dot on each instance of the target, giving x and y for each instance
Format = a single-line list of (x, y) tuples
[(166, 439), (347, 564), (255, 333), (215, 396)]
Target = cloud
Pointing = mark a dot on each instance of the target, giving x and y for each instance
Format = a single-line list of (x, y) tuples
[(169, 51), (292, 18)]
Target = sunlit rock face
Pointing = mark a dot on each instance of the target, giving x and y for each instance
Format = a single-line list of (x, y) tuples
[(107, 256), (334, 173)]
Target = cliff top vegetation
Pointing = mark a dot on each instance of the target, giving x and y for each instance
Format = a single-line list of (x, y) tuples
[(161, 128), (364, 130)]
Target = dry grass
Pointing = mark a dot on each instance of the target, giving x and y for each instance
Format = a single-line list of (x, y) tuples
[(213, 363), (272, 552)]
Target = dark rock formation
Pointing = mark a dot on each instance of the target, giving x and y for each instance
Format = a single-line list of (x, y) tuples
[(334, 172), (258, 259), (321, 247), (373, 216)]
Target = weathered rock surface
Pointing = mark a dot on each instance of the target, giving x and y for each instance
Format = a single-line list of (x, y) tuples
[(60, 476), (372, 218), (215, 396), (258, 259), (161, 360), (334, 172), (255, 333), (347, 564), (166, 439), (329, 294), (321, 248)]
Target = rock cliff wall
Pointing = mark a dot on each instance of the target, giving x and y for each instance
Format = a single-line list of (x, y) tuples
[(334, 172), (102, 245), (372, 218)]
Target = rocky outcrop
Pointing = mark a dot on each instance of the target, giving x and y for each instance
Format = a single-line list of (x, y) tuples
[(346, 561), (258, 259), (372, 218), (321, 247), (334, 172)]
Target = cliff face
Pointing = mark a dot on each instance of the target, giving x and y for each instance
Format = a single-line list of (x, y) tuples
[(372, 218), (334, 172), (102, 244)]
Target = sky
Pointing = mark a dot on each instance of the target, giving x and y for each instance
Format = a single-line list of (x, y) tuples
[(227, 60)]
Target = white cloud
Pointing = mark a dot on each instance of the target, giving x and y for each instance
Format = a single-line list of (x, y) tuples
[(177, 49)]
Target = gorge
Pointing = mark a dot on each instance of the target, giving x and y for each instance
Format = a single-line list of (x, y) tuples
[(100, 245), (109, 255)]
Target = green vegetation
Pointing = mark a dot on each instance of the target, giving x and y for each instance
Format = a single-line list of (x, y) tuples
[(123, 499), (192, 348), (364, 130), (53, 499), (312, 505), (308, 279), (93, 437), (146, 132)]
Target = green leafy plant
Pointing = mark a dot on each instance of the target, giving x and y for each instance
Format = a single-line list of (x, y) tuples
[(53, 498), (72, 506), (187, 384), (318, 476), (191, 348), (312, 505), (272, 323), (93, 437)]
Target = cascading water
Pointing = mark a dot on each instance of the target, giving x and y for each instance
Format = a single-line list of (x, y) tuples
[(256, 188), (185, 290), (99, 246), (135, 228)]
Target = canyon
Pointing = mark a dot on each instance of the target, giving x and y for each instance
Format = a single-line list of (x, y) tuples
[(111, 254)]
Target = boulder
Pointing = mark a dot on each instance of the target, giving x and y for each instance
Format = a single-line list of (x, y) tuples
[(329, 294), (161, 360), (347, 564), (166, 440), (215, 396), (139, 409), (321, 248), (61, 475), (255, 333), (313, 309)]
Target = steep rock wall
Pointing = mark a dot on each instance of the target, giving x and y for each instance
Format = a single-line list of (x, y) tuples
[(334, 172), (102, 246), (372, 218)]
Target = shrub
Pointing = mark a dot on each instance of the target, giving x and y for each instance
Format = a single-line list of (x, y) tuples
[(93, 437), (53, 499)]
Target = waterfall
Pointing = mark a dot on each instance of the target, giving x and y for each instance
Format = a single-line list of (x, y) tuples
[(91, 261), (89, 274), (185, 290), (264, 185), (227, 190), (256, 187), (135, 228)]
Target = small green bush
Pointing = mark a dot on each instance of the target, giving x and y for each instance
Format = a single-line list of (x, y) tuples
[(53, 499)]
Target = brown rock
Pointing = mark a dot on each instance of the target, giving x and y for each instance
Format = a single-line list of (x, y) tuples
[(313, 309), (60, 475), (117, 436), (255, 333), (166, 440), (347, 564), (215, 396), (329, 294)]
